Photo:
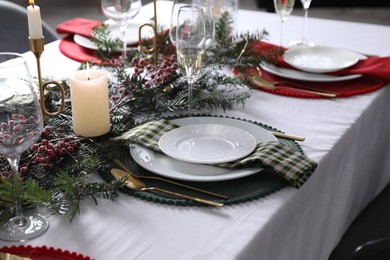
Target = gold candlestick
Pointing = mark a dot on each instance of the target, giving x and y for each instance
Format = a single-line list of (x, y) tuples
[(154, 27), (37, 47)]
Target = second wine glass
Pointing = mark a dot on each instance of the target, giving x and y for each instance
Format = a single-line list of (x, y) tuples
[(284, 9), (207, 8), (21, 125), (121, 12), (190, 45), (306, 5)]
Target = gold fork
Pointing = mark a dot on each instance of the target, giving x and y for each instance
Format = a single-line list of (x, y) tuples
[(127, 169), (262, 82)]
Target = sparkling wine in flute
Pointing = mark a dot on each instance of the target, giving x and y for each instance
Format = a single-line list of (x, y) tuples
[(190, 61), (284, 9), (190, 45)]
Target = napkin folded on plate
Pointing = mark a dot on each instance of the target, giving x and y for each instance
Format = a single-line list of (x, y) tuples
[(372, 67), (79, 26), (293, 166), (70, 48)]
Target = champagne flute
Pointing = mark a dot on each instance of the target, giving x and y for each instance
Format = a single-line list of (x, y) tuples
[(284, 9), (21, 125), (207, 8), (121, 12), (190, 44)]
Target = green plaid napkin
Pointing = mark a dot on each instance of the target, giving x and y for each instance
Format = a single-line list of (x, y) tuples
[(293, 166)]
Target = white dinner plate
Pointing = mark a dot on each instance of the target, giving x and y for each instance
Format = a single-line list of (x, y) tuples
[(166, 166), (207, 143), (305, 76), (321, 59), (131, 36)]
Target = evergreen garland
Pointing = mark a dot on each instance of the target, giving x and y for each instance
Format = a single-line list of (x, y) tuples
[(57, 171)]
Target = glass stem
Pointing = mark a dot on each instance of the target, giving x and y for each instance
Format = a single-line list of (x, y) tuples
[(16, 190), (306, 13), (282, 32), (190, 84), (123, 28)]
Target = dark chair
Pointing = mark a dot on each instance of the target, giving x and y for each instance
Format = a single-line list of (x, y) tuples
[(14, 28), (368, 237)]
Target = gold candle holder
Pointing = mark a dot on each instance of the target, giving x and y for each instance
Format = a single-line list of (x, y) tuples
[(153, 50), (37, 47)]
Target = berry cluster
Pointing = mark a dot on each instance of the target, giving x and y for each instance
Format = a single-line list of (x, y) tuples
[(49, 149), (17, 129), (153, 75)]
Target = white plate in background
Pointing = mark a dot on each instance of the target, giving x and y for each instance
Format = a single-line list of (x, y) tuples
[(321, 59), (305, 76)]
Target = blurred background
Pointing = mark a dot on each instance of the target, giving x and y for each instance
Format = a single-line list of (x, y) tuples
[(367, 11)]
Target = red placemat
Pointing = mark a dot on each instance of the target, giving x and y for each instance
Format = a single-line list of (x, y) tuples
[(43, 253), (375, 72), (340, 88)]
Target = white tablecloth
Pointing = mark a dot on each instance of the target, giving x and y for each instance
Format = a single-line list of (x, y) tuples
[(348, 137)]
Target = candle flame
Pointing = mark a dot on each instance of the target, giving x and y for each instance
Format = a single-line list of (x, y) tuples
[(31, 2)]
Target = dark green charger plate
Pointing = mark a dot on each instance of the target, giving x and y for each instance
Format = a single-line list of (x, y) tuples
[(239, 190)]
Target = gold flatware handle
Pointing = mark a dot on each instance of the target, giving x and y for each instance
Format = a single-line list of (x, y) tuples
[(7, 256), (207, 202), (124, 167), (324, 94), (288, 136)]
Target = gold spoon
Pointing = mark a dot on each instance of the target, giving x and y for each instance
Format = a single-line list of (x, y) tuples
[(127, 169), (138, 185)]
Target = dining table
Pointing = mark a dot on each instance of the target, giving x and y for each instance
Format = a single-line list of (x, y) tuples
[(346, 136)]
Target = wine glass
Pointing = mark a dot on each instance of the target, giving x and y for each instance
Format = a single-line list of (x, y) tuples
[(121, 12), (306, 5), (207, 8), (190, 44), (21, 125), (284, 9)]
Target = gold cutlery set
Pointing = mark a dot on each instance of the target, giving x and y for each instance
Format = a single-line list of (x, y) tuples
[(134, 182)]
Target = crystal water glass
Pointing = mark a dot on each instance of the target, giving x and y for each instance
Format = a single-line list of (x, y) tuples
[(207, 8), (121, 12), (284, 9), (21, 125)]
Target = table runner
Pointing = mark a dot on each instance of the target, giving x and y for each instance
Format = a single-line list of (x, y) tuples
[(238, 190)]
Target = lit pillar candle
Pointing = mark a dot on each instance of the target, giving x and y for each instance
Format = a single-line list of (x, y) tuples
[(34, 21), (90, 103)]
